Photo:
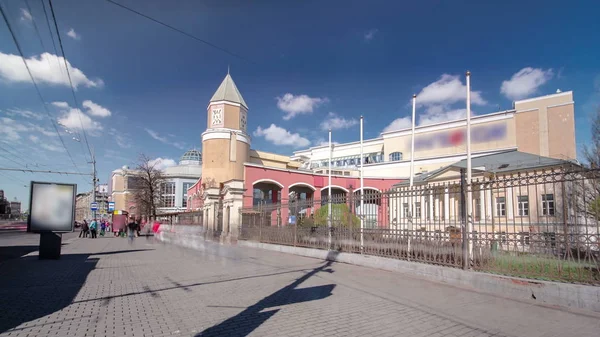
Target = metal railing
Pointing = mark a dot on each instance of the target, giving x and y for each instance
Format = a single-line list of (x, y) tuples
[(542, 225)]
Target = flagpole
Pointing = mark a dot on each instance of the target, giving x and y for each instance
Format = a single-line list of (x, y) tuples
[(362, 189), (329, 194), (469, 219), (412, 172)]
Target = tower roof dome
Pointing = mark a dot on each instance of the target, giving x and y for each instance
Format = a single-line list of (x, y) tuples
[(191, 157)]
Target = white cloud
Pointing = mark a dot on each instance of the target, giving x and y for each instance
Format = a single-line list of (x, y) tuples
[(9, 129), (33, 138), (437, 99), (448, 89), (297, 105), (323, 142), (42, 130), (96, 109), (162, 139), (72, 34), (44, 69), (435, 116), (51, 147), (335, 122), (162, 163), (76, 119), (525, 82), (280, 136), (23, 113), (398, 124), (370, 34), (25, 15), (121, 139), (63, 105)]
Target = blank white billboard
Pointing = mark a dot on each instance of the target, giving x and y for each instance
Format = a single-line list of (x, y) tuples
[(52, 207)]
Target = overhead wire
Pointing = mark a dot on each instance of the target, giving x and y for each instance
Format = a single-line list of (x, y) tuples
[(37, 89), (70, 80), (35, 27), (51, 35), (210, 44)]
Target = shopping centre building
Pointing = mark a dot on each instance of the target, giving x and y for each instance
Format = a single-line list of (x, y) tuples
[(178, 179), (234, 176)]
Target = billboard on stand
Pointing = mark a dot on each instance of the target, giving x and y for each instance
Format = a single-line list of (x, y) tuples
[(51, 207)]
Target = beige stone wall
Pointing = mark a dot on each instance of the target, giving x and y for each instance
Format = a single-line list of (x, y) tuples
[(528, 133), (216, 163), (118, 182), (561, 125), (546, 126), (120, 200)]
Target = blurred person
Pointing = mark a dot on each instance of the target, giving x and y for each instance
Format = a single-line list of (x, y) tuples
[(131, 227), (94, 228), (84, 229), (102, 228)]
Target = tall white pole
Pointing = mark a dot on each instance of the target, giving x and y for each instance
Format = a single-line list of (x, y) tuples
[(412, 141), (412, 172), (362, 188), (329, 220), (469, 227)]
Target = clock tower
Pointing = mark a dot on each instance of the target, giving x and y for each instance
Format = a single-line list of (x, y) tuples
[(225, 143)]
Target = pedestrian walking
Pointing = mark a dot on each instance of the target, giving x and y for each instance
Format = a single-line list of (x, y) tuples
[(94, 228), (102, 228), (131, 227), (84, 229)]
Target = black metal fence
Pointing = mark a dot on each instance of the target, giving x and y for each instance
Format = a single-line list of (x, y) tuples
[(543, 224)]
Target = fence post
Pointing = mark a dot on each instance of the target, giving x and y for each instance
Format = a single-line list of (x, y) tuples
[(463, 221), (565, 217)]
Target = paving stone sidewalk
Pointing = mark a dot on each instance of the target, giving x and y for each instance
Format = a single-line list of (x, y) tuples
[(108, 287)]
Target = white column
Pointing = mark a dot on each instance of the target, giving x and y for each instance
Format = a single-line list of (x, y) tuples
[(446, 205), (509, 203), (431, 206), (482, 204), (453, 207), (436, 212), (489, 201), (423, 209)]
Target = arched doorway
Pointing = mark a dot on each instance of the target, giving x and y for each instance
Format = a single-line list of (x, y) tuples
[(371, 205), (266, 191), (301, 196), (339, 195), (267, 198)]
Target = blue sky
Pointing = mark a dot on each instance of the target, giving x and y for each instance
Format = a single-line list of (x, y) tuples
[(304, 66)]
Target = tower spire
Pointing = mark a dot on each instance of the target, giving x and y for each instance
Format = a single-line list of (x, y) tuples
[(228, 69)]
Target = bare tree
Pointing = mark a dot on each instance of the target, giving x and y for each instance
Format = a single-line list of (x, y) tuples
[(149, 182), (591, 152)]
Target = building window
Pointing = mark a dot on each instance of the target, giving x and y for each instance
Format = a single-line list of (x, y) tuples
[(477, 209), (501, 206), (523, 203), (417, 210), (395, 156), (167, 194), (186, 187), (548, 204), (405, 209)]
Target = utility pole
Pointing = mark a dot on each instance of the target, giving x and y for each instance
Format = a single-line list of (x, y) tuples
[(94, 180)]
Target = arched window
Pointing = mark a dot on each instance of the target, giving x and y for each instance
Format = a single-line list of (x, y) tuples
[(395, 156)]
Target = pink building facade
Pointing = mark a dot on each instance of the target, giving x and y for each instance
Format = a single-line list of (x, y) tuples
[(274, 185)]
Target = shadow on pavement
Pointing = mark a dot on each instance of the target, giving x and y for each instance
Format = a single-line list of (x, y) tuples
[(252, 317), (13, 252), (185, 287), (31, 288)]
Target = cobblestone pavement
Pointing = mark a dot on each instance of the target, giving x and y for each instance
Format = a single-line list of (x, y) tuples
[(107, 287)]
